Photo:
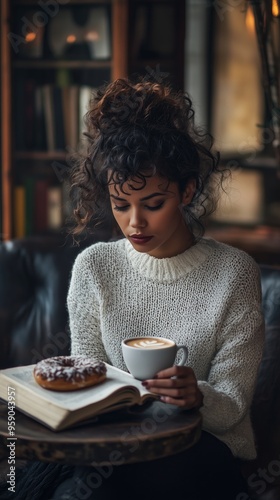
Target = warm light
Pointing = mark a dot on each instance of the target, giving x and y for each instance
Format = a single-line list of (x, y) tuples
[(92, 36), (250, 20), (71, 39), (30, 37), (275, 8)]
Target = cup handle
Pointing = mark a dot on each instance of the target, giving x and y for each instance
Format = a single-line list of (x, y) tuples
[(185, 354)]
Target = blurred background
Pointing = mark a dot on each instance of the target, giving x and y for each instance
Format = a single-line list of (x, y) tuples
[(224, 53)]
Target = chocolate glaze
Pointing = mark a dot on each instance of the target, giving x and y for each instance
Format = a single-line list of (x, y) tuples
[(69, 368)]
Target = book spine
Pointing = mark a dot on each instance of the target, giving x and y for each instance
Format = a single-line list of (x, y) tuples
[(41, 203), (40, 121), (73, 116), (19, 211), (29, 128), (29, 186), (54, 208), (58, 118), (49, 117), (85, 94), (19, 115)]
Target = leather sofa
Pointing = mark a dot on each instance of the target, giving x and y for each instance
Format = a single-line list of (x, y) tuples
[(263, 474), (34, 280)]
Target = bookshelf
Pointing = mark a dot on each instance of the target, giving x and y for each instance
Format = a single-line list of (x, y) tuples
[(53, 55)]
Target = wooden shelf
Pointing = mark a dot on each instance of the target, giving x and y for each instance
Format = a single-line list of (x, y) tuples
[(261, 242), (39, 64), (40, 155), (257, 162), (164, 63), (69, 2)]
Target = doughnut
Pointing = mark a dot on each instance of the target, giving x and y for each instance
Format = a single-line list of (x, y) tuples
[(69, 373)]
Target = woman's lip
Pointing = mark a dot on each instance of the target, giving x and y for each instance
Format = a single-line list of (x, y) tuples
[(140, 239)]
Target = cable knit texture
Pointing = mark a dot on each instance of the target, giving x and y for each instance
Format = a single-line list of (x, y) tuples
[(208, 298)]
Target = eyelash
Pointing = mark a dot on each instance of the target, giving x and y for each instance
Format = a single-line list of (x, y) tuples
[(123, 209)]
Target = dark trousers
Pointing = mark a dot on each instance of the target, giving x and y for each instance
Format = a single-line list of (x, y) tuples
[(207, 471)]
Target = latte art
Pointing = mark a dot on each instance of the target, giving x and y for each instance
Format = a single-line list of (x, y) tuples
[(149, 343)]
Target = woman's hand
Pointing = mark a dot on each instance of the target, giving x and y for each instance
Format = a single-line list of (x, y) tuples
[(176, 385)]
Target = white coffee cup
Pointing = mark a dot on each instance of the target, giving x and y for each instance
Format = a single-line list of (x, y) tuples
[(146, 356)]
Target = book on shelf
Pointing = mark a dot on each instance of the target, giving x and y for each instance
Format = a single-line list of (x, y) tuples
[(54, 207), (30, 124), (49, 117), (61, 410), (62, 110), (59, 120), (30, 208), (85, 95), (38, 207), (18, 103), (70, 105), (41, 205), (40, 122), (19, 211), (24, 109), (29, 116)]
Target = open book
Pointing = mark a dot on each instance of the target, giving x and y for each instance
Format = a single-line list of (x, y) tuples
[(60, 410)]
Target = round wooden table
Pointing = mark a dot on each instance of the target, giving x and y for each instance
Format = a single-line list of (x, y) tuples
[(139, 434)]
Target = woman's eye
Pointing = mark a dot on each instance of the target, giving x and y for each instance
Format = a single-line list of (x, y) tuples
[(120, 209), (126, 207), (157, 207)]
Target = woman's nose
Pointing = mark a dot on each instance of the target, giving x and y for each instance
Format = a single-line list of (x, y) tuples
[(137, 219)]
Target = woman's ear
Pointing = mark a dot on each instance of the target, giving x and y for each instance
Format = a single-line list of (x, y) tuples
[(189, 191)]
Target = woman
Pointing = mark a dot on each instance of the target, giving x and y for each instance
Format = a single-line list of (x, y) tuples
[(147, 164), (158, 174)]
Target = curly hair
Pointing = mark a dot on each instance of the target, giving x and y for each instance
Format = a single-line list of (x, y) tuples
[(135, 130)]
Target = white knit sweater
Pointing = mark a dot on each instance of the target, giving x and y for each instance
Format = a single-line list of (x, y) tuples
[(207, 298)]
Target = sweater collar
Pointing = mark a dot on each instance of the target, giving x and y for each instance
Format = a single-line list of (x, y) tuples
[(171, 268)]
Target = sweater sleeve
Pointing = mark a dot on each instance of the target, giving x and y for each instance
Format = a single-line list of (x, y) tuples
[(228, 391), (83, 308)]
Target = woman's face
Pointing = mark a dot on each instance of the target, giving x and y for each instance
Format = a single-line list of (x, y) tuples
[(150, 217)]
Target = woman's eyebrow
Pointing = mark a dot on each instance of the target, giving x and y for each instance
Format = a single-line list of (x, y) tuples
[(141, 199)]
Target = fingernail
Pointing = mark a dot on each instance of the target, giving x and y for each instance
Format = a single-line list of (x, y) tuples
[(144, 383)]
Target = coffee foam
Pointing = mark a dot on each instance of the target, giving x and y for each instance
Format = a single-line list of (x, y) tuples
[(149, 343)]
